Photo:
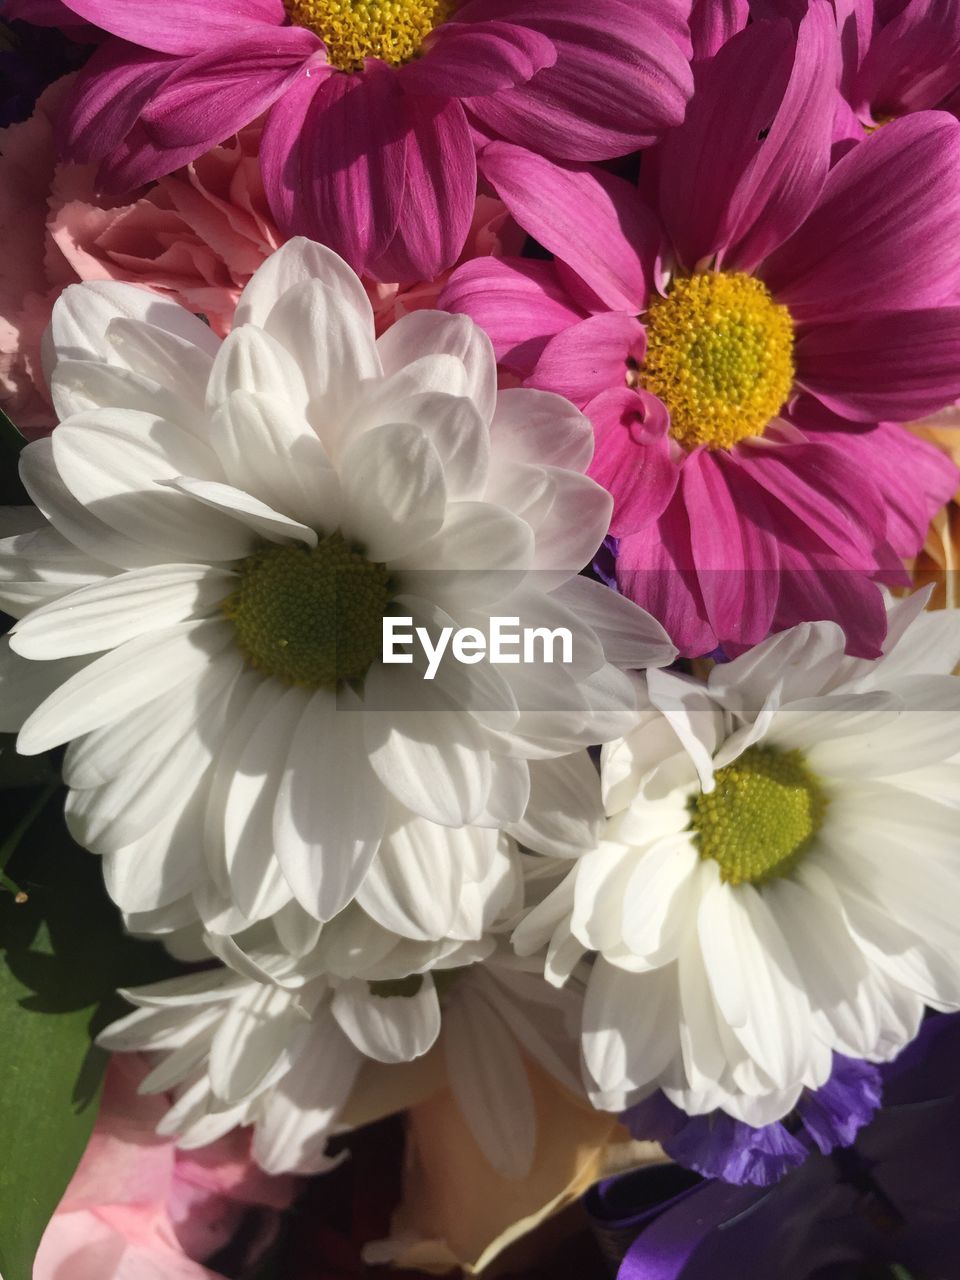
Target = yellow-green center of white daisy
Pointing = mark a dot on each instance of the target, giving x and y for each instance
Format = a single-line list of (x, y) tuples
[(391, 30), (720, 357), (310, 616), (761, 816)]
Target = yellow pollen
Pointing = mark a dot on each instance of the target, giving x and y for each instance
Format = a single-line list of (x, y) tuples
[(392, 30), (761, 816), (720, 357)]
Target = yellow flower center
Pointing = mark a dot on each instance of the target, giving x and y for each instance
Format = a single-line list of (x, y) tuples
[(392, 30), (720, 357), (310, 617), (761, 817)]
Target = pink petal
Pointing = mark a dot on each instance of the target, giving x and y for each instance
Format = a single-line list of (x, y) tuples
[(824, 490), (217, 92), (897, 365), (655, 569), (179, 26), (883, 235), (732, 163), (136, 160), (590, 357), (914, 477), (352, 157), (733, 545), (461, 60), (713, 22), (816, 586), (593, 221), (621, 76), (782, 182), (518, 301), (107, 98), (632, 457), (911, 63), (281, 152), (439, 195)]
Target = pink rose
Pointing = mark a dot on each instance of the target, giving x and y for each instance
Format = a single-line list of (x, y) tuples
[(196, 235), (138, 1209)]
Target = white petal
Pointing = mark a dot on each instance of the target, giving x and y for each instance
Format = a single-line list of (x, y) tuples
[(131, 604), (80, 386), (414, 884), (260, 1033), (630, 636), (489, 1081), (478, 556), (250, 360), (440, 333), (541, 428), (394, 492), (629, 1025), (660, 898), (329, 814), (803, 660), (691, 715), (122, 680), (25, 685), (456, 429), (166, 358), (388, 1028), (297, 261), (269, 452), (564, 815), (248, 512)]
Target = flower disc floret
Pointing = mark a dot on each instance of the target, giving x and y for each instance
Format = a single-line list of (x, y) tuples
[(720, 357), (310, 617), (391, 30), (761, 816)]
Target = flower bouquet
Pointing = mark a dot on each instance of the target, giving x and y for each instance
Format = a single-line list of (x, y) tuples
[(479, 738)]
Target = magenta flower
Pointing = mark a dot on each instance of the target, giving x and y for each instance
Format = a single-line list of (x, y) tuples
[(746, 339), (375, 106)]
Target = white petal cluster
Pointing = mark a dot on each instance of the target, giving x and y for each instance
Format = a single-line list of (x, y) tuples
[(733, 994), (215, 782)]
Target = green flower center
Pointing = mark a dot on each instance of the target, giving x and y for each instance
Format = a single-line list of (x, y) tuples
[(311, 617), (761, 817)]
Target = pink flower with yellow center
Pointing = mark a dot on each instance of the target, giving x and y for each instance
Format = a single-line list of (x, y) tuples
[(746, 332), (374, 105)]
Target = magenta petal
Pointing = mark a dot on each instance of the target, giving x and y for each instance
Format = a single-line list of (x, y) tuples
[(464, 60), (781, 184), (519, 302), (439, 196), (816, 586), (631, 458), (136, 161), (281, 145), (734, 549), (621, 76), (353, 157), (222, 89), (912, 60), (897, 365), (713, 22), (824, 490), (655, 569), (107, 97), (593, 221), (883, 234), (590, 357), (179, 26), (913, 477)]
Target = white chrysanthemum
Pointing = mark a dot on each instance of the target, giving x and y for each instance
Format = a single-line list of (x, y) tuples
[(273, 1044), (224, 527), (780, 872)]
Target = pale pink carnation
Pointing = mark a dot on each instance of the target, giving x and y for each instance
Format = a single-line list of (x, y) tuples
[(196, 235), (139, 1209)]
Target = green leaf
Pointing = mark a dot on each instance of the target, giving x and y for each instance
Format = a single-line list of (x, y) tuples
[(64, 952), (12, 491)]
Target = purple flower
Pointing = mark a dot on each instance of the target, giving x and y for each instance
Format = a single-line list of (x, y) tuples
[(888, 1200), (718, 1146)]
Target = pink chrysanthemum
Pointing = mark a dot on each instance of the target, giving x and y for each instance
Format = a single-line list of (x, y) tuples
[(746, 339), (374, 107)]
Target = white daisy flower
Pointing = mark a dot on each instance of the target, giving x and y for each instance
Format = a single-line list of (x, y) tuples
[(222, 529), (273, 1044), (779, 876)]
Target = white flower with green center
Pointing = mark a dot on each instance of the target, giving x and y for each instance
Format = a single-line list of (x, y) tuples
[(779, 875), (272, 1041), (223, 527)]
